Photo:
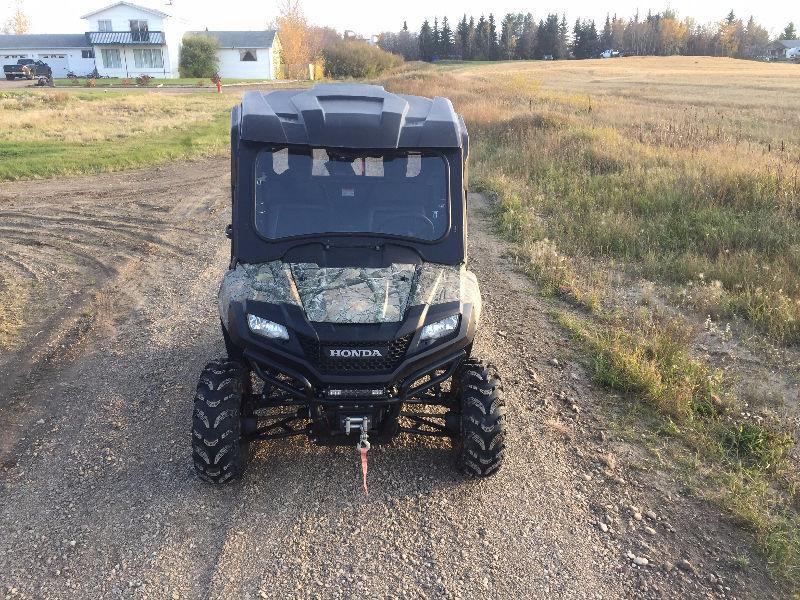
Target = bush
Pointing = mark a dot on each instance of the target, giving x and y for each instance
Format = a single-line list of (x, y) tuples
[(144, 80), (199, 56), (358, 59)]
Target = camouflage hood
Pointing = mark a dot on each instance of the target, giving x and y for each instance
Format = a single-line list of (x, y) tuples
[(352, 294)]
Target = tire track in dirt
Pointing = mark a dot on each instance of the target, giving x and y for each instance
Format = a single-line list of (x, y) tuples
[(62, 241)]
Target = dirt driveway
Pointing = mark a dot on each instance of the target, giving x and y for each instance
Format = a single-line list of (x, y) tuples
[(98, 498), (15, 84)]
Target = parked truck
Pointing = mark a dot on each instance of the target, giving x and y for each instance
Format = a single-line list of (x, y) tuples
[(27, 68)]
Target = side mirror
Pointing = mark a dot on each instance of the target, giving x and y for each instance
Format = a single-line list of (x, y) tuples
[(229, 231)]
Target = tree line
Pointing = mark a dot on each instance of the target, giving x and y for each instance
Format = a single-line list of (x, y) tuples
[(520, 36)]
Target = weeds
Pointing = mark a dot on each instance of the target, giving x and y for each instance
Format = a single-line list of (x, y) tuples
[(679, 182), (670, 190), (739, 459)]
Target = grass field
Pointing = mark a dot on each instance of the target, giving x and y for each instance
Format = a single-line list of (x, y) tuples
[(50, 133), (646, 195)]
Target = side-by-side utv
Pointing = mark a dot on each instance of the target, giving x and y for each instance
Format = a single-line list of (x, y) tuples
[(348, 312)]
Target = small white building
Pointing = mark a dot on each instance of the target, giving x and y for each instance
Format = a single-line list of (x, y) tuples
[(127, 40), (247, 54)]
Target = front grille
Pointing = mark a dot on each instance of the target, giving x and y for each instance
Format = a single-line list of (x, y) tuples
[(345, 366)]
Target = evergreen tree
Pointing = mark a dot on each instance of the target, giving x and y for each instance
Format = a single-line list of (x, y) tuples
[(446, 40), (437, 41), (585, 40), (789, 33), (481, 39), (562, 49), (462, 38), (508, 37), (547, 37), (471, 38), (607, 39), (493, 50), (526, 48), (405, 25), (755, 38), (426, 45)]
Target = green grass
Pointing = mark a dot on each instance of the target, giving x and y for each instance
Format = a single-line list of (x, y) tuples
[(48, 133), (44, 158)]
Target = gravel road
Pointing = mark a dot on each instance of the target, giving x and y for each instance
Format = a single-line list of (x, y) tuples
[(98, 498)]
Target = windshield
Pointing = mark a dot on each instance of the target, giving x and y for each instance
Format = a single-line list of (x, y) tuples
[(316, 191)]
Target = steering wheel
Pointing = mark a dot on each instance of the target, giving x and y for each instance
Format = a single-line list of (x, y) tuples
[(418, 226)]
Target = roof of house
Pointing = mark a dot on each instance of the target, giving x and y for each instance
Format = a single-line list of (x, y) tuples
[(240, 39), (44, 40), (129, 5), (349, 116), (787, 43)]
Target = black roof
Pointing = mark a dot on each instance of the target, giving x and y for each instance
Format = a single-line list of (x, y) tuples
[(341, 115), (30, 41), (240, 39)]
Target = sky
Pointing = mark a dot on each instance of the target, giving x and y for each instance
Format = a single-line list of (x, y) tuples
[(370, 16)]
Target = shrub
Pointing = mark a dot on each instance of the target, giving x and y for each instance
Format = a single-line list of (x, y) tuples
[(91, 82), (357, 59), (144, 80), (199, 56), (126, 82)]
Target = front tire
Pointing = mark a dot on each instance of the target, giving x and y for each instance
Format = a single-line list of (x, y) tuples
[(480, 443), (217, 422)]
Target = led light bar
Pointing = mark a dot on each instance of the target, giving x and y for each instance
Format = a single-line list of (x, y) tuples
[(355, 392)]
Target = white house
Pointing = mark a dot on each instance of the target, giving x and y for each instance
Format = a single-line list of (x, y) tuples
[(131, 40), (127, 40)]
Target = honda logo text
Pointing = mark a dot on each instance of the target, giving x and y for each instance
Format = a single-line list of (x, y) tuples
[(355, 353)]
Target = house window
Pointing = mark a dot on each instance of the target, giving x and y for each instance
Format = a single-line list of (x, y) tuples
[(87, 53), (139, 30), (104, 25), (248, 56), (148, 58), (111, 59)]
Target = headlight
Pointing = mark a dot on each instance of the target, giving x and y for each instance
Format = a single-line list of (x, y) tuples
[(267, 328), (439, 329)]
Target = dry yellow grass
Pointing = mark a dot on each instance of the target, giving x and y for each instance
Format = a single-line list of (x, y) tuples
[(685, 171), (685, 168), (85, 117)]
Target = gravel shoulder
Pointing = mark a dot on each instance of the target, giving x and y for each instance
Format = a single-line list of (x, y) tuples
[(98, 498)]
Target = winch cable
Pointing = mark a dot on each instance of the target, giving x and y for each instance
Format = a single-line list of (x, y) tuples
[(362, 446)]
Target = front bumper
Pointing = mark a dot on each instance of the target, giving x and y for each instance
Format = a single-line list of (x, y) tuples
[(310, 379)]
